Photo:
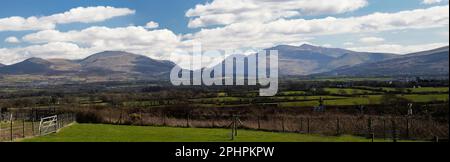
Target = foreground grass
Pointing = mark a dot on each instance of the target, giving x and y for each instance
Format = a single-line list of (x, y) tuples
[(114, 133)]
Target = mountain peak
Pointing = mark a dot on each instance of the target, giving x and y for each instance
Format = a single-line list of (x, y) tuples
[(308, 46), (36, 60), (112, 53)]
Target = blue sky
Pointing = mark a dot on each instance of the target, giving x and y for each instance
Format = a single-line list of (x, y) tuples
[(214, 28)]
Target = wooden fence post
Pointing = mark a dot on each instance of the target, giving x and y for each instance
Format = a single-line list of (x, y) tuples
[(407, 127), (23, 128), (394, 131), (141, 119), (301, 125), (11, 128), (235, 126), (308, 125), (259, 123), (338, 127), (384, 129), (436, 139), (369, 127), (282, 124)]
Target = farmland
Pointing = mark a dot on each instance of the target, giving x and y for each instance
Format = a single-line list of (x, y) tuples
[(327, 109), (114, 133)]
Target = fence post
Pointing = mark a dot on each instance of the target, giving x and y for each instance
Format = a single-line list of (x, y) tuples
[(282, 124), (233, 123), (308, 125), (23, 128), (407, 127), (394, 131), (259, 123), (338, 127), (301, 125), (141, 117), (235, 126), (369, 127), (11, 128), (384, 129), (57, 123)]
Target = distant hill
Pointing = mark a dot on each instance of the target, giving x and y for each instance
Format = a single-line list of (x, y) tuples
[(308, 59), (104, 63), (432, 62), (1, 65), (304, 60), (29, 66), (123, 62)]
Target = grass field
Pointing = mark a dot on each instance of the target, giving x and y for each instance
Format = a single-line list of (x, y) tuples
[(114, 133), (348, 91)]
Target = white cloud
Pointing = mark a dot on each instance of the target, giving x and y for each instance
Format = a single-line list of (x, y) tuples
[(431, 1), (12, 40), (398, 48), (261, 35), (50, 50), (348, 44), (245, 33), (371, 40), (78, 44), (224, 12), (151, 25), (19, 24), (80, 14)]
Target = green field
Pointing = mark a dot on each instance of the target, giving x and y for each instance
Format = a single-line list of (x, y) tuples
[(348, 91), (114, 133)]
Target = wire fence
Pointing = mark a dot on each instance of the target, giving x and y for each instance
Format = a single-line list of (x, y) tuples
[(14, 125), (371, 126), (23, 124)]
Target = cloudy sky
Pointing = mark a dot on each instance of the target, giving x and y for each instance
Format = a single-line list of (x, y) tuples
[(74, 29)]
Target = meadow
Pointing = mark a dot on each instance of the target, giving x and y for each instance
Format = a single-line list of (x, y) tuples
[(353, 109), (116, 133)]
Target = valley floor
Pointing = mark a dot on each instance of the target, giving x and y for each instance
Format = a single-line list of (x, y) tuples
[(115, 133)]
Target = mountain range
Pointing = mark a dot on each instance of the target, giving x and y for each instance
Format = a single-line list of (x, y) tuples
[(307, 59), (432, 62), (293, 61), (100, 64)]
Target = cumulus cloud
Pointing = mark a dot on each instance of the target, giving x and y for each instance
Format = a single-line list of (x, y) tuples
[(137, 39), (245, 32), (151, 25), (50, 50), (282, 31), (17, 23), (12, 40), (431, 1), (80, 14), (224, 12)]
